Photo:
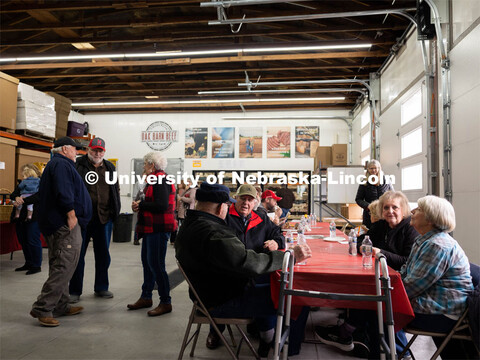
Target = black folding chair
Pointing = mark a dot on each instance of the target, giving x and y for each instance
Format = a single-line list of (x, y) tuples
[(200, 315)]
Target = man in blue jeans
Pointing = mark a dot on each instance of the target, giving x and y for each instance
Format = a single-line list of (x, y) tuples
[(106, 207)]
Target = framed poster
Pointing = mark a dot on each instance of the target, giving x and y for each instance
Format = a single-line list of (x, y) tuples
[(223, 142), (278, 142), (306, 141), (196, 141), (250, 142)]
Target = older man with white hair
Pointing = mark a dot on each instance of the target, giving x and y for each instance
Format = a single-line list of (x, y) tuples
[(64, 208)]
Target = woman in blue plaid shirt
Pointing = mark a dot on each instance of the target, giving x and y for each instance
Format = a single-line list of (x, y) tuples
[(437, 273)]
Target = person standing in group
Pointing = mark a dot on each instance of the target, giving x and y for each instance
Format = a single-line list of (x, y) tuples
[(156, 220), (374, 187), (64, 208), (188, 199), (26, 225), (105, 200)]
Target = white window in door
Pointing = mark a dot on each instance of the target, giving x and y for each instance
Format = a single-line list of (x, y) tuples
[(365, 141), (411, 108), (412, 143), (412, 177), (365, 119)]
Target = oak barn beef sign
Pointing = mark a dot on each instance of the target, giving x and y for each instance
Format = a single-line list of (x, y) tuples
[(159, 136)]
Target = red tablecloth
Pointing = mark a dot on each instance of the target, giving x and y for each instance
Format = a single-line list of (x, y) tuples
[(331, 269), (8, 238)]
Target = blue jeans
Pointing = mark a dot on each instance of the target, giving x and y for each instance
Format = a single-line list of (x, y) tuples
[(28, 235), (101, 235), (154, 250)]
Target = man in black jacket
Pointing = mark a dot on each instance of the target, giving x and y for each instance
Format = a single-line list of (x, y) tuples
[(221, 268), (105, 200), (63, 209)]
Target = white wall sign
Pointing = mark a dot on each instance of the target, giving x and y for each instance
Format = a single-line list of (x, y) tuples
[(159, 136)]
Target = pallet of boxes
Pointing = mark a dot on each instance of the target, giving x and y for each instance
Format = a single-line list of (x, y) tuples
[(35, 113)]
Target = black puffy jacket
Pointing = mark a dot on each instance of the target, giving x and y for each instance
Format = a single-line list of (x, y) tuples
[(395, 243)]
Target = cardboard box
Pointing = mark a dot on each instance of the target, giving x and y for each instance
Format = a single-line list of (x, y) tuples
[(352, 211), (63, 107), (8, 101), (24, 156), (7, 164), (339, 154), (323, 155)]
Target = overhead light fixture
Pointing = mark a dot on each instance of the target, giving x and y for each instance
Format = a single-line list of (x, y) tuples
[(279, 91), (307, 117), (151, 96), (180, 54), (83, 46), (212, 101)]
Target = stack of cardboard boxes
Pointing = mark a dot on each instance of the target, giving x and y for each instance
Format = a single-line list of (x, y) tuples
[(62, 109), (335, 155)]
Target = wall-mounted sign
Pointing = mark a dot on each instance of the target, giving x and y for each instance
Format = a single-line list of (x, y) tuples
[(159, 136), (197, 163)]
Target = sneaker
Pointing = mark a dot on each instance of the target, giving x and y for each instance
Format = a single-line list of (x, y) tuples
[(74, 299), (104, 294), (361, 344), (331, 336)]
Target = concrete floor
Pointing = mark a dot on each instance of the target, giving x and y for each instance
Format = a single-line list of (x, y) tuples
[(107, 330)]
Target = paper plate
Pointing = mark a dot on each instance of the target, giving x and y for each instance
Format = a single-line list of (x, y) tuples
[(315, 236), (337, 238)]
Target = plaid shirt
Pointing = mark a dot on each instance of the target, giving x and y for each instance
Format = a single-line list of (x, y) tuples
[(437, 275), (157, 221)]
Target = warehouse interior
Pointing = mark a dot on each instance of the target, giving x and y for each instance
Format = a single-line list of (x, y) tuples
[(396, 81)]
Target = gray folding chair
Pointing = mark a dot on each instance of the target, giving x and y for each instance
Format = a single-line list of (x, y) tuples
[(200, 315)]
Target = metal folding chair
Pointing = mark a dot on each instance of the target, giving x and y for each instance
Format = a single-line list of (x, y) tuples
[(200, 315), (383, 289)]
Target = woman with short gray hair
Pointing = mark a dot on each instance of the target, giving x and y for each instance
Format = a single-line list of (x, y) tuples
[(375, 186), (437, 273), (156, 221)]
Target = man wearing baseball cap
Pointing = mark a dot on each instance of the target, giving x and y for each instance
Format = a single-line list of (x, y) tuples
[(64, 209), (269, 203), (221, 268), (105, 200)]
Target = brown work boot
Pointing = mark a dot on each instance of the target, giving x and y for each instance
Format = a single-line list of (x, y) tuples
[(46, 321), (160, 310), (140, 304), (73, 310)]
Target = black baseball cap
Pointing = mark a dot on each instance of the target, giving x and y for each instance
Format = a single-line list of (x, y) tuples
[(66, 141), (216, 193)]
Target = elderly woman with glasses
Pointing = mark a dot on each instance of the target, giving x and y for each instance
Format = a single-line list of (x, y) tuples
[(437, 273), (392, 235)]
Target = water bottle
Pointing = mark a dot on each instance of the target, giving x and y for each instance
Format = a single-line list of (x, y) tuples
[(367, 252), (352, 242), (307, 223), (333, 229), (289, 239), (301, 240), (314, 219)]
